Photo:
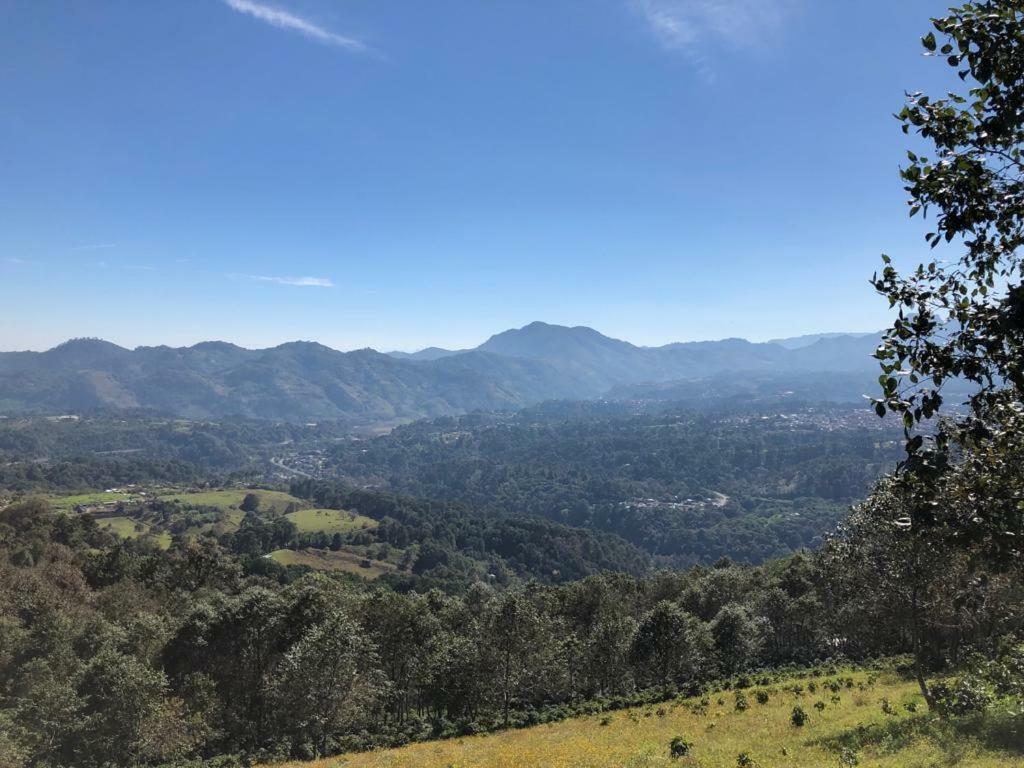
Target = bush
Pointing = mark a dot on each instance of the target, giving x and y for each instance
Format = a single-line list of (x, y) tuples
[(741, 702), (744, 760), (679, 747), (761, 696), (967, 696), (798, 716)]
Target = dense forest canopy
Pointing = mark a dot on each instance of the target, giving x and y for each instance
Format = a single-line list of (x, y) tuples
[(688, 487)]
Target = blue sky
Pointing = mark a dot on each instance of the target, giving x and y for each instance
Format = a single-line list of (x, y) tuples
[(399, 173)]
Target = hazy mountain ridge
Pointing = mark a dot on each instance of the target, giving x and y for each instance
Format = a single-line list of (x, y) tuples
[(300, 381)]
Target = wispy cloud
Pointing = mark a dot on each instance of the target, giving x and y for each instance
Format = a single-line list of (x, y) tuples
[(690, 25), (283, 19), (94, 247), (15, 260), (301, 282)]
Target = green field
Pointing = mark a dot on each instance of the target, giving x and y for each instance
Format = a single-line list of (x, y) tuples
[(853, 731), (226, 499), (329, 521), (326, 560), (232, 521), (129, 528)]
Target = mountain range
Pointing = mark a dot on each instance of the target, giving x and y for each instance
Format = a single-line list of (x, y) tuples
[(303, 381)]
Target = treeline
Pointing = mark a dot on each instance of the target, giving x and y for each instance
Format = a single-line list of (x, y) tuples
[(118, 653), (653, 479)]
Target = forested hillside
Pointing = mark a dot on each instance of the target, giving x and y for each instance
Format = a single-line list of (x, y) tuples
[(123, 653), (688, 487), (304, 381)]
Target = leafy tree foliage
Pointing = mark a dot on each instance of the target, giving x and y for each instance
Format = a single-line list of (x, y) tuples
[(944, 534), (965, 318)]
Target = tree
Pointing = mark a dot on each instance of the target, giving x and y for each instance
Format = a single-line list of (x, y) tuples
[(671, 646), (122, 695), (738, 638), (963, 319), (517, 646), (327, 682), (251, 503), (941, 533), (905, 580)]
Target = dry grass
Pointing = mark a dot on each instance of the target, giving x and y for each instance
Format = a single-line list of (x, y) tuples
[(639, 738)]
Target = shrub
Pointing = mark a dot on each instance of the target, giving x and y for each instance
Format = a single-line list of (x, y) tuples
[(744, 760), (798, 716), (761, 696), (679, 747), (967, 696), (741, 702), (819, 705)]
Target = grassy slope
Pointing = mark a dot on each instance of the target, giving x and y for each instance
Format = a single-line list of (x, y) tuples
[(639, 738), (128, 528), (329, 521), (325, 560), (307, 520), (233, 497)]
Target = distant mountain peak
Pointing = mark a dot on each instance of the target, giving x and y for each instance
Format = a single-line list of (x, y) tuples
[(86, 344), (797, 342), (217, 346), (539, 339)]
